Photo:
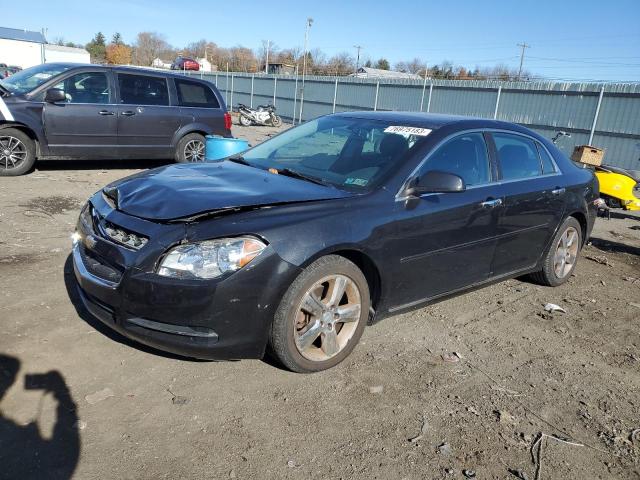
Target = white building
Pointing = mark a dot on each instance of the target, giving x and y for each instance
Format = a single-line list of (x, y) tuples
[(367, 72), (205, 65), (59, 53), (26, 49), (21, 47)]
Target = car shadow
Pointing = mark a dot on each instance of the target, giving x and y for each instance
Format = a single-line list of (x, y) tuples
[(71, 285), (24, 452), (101, 164), (614, 247)]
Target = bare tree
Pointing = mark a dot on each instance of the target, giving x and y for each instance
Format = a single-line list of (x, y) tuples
[(149, 46), (341, 64)]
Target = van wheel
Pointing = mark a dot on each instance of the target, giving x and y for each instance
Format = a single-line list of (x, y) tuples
[(190, 148), (321, 317), (561, 258), (17, 152)]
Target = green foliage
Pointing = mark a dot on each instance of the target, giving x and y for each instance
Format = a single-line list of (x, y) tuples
[(383, 64), (97, 48)]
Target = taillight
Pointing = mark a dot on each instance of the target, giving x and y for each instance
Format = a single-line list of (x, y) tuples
[(227, 121)]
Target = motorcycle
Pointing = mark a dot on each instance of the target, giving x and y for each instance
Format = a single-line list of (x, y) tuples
[(263, 115), (619, 187)]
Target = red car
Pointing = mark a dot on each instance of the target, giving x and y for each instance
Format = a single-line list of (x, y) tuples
[(185, 63)]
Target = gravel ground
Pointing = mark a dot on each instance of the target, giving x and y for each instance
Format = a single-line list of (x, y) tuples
[(402, 406)]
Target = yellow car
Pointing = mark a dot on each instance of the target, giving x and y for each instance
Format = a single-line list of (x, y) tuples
[(619, 188)]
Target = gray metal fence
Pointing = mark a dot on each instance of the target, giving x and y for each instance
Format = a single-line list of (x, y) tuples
[(604, 115)]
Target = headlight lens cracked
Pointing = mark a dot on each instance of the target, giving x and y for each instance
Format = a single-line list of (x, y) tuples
[(211, 258)]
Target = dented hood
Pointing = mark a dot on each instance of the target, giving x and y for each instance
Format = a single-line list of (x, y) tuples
[(182, 191)]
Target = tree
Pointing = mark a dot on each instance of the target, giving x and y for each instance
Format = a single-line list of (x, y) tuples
[(117, 39), (97, 48), (148, 47), (368, 64), (383, 64), (118, 54), (341, 64)]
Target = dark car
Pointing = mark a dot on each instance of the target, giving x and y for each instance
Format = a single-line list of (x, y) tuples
[(62, 110), (307, 237), (185, 63)]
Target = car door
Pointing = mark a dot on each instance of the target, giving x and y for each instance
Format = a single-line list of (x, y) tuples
[(199, 104), (85, 124), (446, 241), (534, 202), (147, 122)]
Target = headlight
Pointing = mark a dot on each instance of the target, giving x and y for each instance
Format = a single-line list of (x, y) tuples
[(211, 258)]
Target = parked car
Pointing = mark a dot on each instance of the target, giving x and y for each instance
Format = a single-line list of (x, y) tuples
[(185, 63), (64, 110), (296, 245)]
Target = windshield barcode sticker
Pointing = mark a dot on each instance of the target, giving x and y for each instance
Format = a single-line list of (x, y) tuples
[(421, 132)]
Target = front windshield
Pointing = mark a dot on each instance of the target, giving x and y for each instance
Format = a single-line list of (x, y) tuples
[(348, 153), (30, 78)]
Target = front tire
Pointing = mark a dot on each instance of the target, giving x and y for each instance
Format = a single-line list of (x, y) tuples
[(245, 121), (561, 258), (321, 316), (17, 152), (276, 121), (190, 149)]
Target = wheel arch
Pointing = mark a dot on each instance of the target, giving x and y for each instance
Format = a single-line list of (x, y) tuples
[(24, 129), (582, 220)]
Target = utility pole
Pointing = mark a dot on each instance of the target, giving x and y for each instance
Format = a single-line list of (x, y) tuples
[(358, 48), (266, 60), (523, 45), (304, 64)]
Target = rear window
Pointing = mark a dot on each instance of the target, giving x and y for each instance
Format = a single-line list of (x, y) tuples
[(547, 163), (518, 156), (143, 90), (193, 94)]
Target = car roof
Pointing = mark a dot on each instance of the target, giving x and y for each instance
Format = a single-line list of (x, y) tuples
[(123, 68), (435, 120)]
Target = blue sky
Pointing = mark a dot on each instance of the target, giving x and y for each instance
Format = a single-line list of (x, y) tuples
[(585, 39)]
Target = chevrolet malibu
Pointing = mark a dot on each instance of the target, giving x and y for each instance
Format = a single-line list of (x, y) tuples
[(298, 244)]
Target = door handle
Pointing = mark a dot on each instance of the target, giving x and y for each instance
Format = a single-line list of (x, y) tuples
[(105, 112), (491, 203), (128, 113), (558, 191)]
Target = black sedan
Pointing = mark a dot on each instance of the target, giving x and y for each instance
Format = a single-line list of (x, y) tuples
[(295, 246)]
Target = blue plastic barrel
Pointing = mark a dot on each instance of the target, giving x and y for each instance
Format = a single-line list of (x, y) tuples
[(217, 148)]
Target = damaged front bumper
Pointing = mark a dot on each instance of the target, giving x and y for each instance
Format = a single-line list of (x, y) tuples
[(224, 318)]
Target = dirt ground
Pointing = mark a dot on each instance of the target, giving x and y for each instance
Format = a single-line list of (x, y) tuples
[(402, 406)]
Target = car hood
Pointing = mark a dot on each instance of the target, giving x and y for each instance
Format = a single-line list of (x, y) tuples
[(188, 191)]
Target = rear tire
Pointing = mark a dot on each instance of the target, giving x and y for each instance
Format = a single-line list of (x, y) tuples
[(190, 148), (321, 316), (562, 256), (17, 152), (245, 121)]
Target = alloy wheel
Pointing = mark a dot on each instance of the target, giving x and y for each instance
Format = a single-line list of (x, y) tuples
[(327, 317), (194, 151), (566, 252), (12, 152)]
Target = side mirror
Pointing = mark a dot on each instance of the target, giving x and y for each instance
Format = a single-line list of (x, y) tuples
[(436, 182), (55, 95)]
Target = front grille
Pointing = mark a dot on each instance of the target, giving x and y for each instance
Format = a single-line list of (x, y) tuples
[(99, 268)]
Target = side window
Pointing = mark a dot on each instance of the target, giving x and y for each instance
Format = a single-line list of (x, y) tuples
[(142, 90), (517, 155), (466, 156), (547, 163), (193, 94), (87, 87)]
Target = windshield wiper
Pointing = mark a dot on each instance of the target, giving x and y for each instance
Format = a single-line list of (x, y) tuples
[(239, 159), (292, 173)]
